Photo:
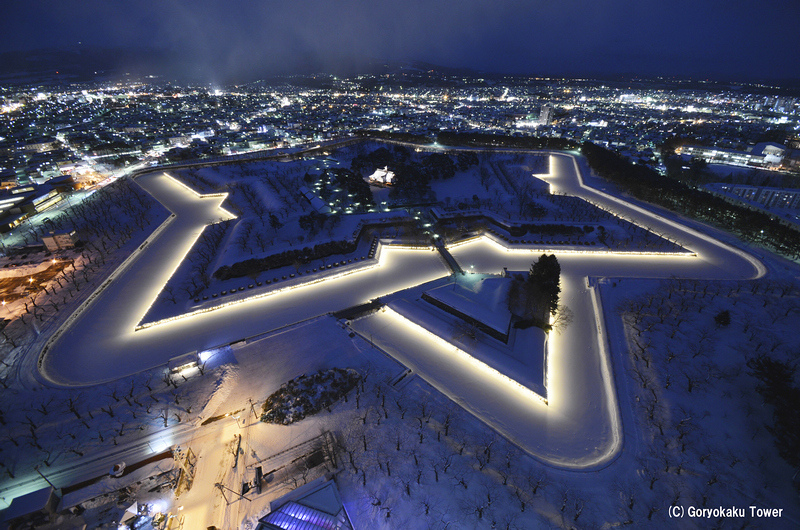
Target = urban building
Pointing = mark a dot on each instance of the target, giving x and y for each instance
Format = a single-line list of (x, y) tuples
[(59, 241), (546, 115), (767, 155)]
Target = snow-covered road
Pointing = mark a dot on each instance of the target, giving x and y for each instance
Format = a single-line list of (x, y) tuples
[(579, 428)]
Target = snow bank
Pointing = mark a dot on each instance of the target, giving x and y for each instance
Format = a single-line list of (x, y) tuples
[(24, 270)]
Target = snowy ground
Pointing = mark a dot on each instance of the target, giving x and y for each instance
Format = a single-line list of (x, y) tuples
[(432, 464), (73, 361), (429, 334)]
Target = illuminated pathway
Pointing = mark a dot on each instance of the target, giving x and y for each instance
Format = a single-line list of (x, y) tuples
[(101, 345), (578, 428)]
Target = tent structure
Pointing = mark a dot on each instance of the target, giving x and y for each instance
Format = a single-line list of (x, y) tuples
[(131, 513)]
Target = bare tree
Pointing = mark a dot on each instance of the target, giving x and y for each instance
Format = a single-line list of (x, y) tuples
[(537, 480), (563, 318)]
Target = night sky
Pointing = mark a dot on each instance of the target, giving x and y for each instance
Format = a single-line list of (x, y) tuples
[(741, 39)]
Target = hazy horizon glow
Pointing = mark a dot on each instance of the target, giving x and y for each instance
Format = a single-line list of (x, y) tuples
[(745, 39)]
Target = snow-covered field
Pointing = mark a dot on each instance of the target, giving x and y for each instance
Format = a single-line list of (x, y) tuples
[(645, 412)]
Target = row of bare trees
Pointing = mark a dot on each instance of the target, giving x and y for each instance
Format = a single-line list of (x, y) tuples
[(60, 425), (403, 449), (47, 426)]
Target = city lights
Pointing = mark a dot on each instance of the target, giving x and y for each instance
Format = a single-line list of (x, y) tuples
[(387, 225)]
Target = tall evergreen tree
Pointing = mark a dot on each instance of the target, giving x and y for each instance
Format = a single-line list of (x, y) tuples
[(545, 275)]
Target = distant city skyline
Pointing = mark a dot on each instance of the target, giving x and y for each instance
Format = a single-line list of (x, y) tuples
[(216, 41)]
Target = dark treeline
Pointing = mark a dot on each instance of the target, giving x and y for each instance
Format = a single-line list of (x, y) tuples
[(645, 184), (412, 174), (473, 139), (493, 140), (353, 184), (396, 136), (778, 389), (283, 259)]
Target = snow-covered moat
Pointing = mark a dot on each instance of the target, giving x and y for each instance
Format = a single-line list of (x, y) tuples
[(581, 420), (571, 409)]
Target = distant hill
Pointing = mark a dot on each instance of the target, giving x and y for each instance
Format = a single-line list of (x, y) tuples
[(77, 64), (82, 64)]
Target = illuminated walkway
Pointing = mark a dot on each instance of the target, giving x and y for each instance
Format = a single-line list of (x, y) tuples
[(578, 428), (101, 344)]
